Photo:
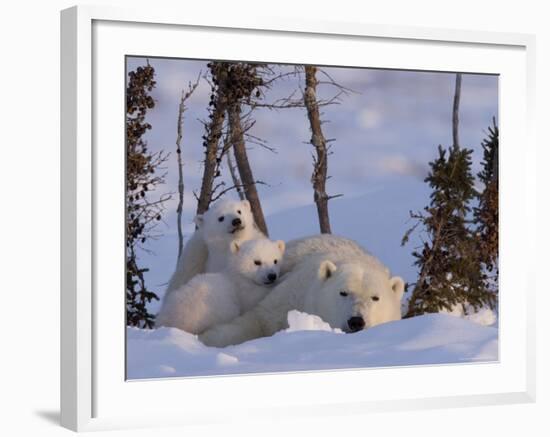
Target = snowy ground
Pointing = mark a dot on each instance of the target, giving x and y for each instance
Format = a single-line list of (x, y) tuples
[(310, 344)]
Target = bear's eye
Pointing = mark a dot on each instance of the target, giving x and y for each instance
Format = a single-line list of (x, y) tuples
[(275, 261), (375, 298), (258, 263), (221, 218), (343, 293), (239, 211)]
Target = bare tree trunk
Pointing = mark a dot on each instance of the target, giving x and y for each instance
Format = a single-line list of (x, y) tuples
[(319, 176), (180, 174), (181, 110), (211, 155), (248, 182), (234, 176), (456, 106)]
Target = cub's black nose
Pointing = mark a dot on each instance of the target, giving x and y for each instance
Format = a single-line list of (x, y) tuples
[(236, 222), (356, 323), (271, 277)]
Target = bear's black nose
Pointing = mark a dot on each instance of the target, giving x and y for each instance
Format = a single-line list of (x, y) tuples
[(236, 222), (271, 277), (356, 323)]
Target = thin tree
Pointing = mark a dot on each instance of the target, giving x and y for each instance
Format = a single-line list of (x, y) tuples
[(231, 84), (142, 214), (181, 110), (234, 84), (233, 170), (450, 273), (456, 107), (211, 138), (245, 171), (318, 141)]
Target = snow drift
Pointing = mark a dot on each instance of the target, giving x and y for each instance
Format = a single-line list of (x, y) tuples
[(310, 344)]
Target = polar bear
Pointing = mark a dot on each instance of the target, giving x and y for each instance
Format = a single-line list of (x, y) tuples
[(209, 299), (328, 276), (207, 251)]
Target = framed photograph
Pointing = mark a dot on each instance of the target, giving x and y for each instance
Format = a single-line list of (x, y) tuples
[(291, 207)]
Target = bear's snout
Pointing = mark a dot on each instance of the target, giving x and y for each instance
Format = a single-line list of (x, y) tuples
[(237, 222), (356, 323), (272, 277)]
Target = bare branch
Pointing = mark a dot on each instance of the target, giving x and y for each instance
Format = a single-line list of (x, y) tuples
[(332, 82), (238, 187)]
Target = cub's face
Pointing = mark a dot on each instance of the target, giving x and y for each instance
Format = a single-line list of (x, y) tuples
[(352, 298), (257, 260), (225, 219)]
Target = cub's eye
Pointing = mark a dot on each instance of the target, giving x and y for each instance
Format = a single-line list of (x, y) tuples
[(239, 211), (375, 298), (221, 218), (275, 261), (258, 263), (343, 293)]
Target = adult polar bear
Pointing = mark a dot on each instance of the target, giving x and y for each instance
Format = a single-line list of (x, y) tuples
[(207, 251), (328, 276)]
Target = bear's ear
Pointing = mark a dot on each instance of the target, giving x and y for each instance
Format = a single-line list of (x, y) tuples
[(199, 220), (281, 246), (234, 247), (398, 286), (246, 204), (326, 270)]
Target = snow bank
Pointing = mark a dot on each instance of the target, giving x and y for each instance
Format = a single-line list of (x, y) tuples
[(310, 344)]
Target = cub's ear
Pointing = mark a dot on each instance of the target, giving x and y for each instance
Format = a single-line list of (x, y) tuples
[(246, 204), (326, 270), (199, 220), (281, 245), (234, 247), (398, 286)]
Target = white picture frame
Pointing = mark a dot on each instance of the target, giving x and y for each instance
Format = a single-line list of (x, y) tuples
[(94, 393)]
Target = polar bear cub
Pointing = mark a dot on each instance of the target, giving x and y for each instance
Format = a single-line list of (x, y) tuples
[(210, 299), (208, 250)]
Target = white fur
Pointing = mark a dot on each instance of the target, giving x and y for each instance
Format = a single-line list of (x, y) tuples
[(319, 269), (208, 249), (209, 299), (338, 249)]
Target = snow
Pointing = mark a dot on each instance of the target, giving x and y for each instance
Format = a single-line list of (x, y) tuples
[(299, 321), (310, 344), (484, 316)]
